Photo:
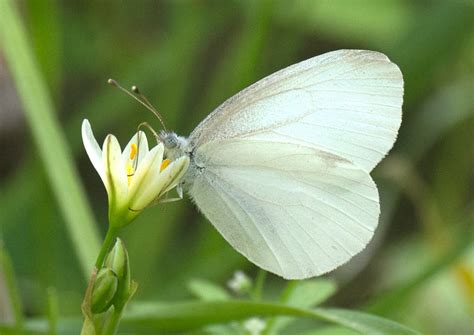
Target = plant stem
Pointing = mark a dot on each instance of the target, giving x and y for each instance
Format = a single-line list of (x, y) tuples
[(12, 292), (53, 311), (109, 239), (258, 290), (112, 322)]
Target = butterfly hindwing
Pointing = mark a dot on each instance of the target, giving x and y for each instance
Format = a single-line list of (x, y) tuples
[(293, 210)]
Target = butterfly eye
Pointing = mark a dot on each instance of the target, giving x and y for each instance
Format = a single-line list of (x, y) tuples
[(169, 140)]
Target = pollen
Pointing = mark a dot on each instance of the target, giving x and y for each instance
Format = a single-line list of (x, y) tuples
[(133, 151), (164, 164)]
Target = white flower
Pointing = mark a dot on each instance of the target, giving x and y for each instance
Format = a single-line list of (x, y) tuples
[(134, 178), (239, 283), (254, 326)]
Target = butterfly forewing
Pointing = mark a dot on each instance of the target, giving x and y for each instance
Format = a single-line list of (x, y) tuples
[(346, 102)]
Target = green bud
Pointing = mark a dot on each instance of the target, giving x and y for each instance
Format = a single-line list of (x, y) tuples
[(104, 291), (117, 260)]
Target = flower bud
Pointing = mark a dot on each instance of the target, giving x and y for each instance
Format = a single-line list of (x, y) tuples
[(117, 261), (103, 293)]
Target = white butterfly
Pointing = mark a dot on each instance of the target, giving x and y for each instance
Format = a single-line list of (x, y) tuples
[(281, 169)]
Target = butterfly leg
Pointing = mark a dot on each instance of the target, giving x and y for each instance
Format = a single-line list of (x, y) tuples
[(179, 190)]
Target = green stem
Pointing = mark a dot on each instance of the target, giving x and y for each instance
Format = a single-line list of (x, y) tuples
[(258, 290), (52, 311), (12, 291), (88, 325), (112, 322), (109, 239)]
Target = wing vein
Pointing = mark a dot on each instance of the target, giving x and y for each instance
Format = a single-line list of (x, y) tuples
[(309, 195)]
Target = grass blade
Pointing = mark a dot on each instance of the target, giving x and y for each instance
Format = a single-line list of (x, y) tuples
[(193, 315), (13, 296)]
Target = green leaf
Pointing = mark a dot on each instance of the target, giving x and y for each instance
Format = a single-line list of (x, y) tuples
[(304, 294), (10, 289), (186, 316), (309, 293), (364, 323), (332, 330), (207, 291)]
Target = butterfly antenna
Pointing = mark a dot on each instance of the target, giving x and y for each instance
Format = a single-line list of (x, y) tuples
[(138, 97), (149, 104)]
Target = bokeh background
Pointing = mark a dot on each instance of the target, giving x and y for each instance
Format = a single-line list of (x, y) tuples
[(188, 57)]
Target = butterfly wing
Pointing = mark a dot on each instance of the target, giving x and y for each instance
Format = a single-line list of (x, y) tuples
[(293, 210), (282, 168), (345, 102)]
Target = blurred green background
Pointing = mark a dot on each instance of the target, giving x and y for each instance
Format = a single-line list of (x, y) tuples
[(189, 56)]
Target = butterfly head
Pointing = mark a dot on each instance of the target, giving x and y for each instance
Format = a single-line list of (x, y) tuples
[(175, 146)]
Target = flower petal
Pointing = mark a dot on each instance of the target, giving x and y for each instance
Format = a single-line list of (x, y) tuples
[(174, 172), (159, 183), (92, 149), (142, 145), (115, 174), (148, 170)]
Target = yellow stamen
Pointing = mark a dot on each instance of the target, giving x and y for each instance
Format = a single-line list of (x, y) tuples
[(133, 151), (164, 164), (130, 172)]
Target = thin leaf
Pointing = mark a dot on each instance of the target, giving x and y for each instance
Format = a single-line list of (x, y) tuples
[(364, 323), (156, 318), (13, 298), (332, 330), (193, 315)]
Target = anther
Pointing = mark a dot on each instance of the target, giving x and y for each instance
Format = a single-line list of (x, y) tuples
[(133, 151), (164, 164)]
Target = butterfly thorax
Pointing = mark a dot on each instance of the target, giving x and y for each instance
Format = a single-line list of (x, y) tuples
[(178, 146)]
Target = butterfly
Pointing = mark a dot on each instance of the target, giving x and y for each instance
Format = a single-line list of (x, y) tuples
[(281, 169)]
